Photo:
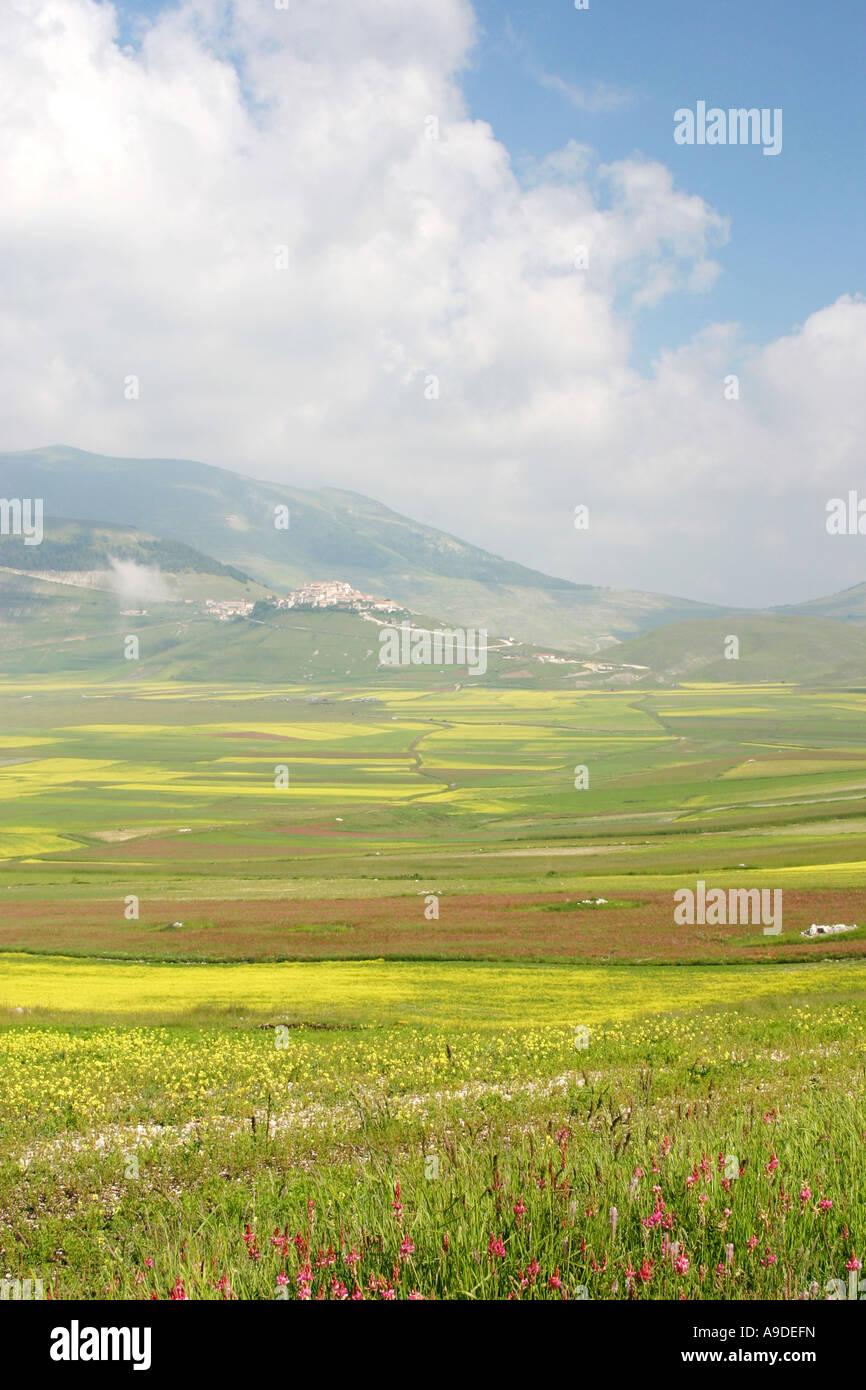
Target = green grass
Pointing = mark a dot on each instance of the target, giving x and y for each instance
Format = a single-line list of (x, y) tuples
[(165, 1145), (165, 790)]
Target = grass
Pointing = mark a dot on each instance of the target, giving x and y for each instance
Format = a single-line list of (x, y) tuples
[(162, 1114), (163, 1162)]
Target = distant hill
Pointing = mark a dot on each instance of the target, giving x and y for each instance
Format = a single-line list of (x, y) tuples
[(333, 534), (849, 606), (50, 629), (804, 650), (80, 547), (66, 604)]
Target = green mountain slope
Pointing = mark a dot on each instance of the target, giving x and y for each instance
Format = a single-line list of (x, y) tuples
[(849, 606), (803, 650), (81, 546), (49, 629), (332, 535)]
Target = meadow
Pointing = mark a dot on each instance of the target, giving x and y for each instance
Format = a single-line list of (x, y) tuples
[(708, 1155), (353, 992)]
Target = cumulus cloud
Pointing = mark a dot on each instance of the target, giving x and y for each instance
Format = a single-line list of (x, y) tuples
[(320, 268)]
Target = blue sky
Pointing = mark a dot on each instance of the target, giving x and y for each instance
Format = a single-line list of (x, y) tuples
[(798, 220)]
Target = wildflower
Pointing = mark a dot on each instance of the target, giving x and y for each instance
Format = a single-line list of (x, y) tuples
[(853, 1263), (282, 1278), (656, 1218), (825, 1204), (178, 1292), (148, 1260), (338, 1290), (496, 1246), (681, 1264), (352, 1258), (519, 1210), (397, 1205), (554, 1282), (416, 1297), (805, 1193), (281, 1242), (407, 1248), (773, 1163), (751, 1242), (645, 1273)]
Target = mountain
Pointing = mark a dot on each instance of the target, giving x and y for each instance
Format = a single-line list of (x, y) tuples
[(76, 551), (52, 627), (803, 650), (332, 534), (849, 606), (67, 603)]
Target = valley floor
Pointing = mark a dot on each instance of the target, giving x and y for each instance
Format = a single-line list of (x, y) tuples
[(418, 1022)]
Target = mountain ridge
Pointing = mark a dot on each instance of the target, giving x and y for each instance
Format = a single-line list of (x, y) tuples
[(335, 533)]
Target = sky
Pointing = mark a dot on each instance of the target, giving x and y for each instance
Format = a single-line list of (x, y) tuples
[(338, 244)]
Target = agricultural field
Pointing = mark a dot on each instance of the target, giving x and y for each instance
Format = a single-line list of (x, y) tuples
[(377, 991)]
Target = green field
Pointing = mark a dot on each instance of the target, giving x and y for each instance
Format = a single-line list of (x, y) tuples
[(284, 1019)]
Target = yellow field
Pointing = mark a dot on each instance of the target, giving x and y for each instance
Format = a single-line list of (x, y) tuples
[(485, 995)]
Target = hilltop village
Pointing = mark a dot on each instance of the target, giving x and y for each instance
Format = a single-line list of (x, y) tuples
[(330, 593)]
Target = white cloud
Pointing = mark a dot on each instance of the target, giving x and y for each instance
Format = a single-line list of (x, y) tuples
[(601, 96), (145, 194)]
